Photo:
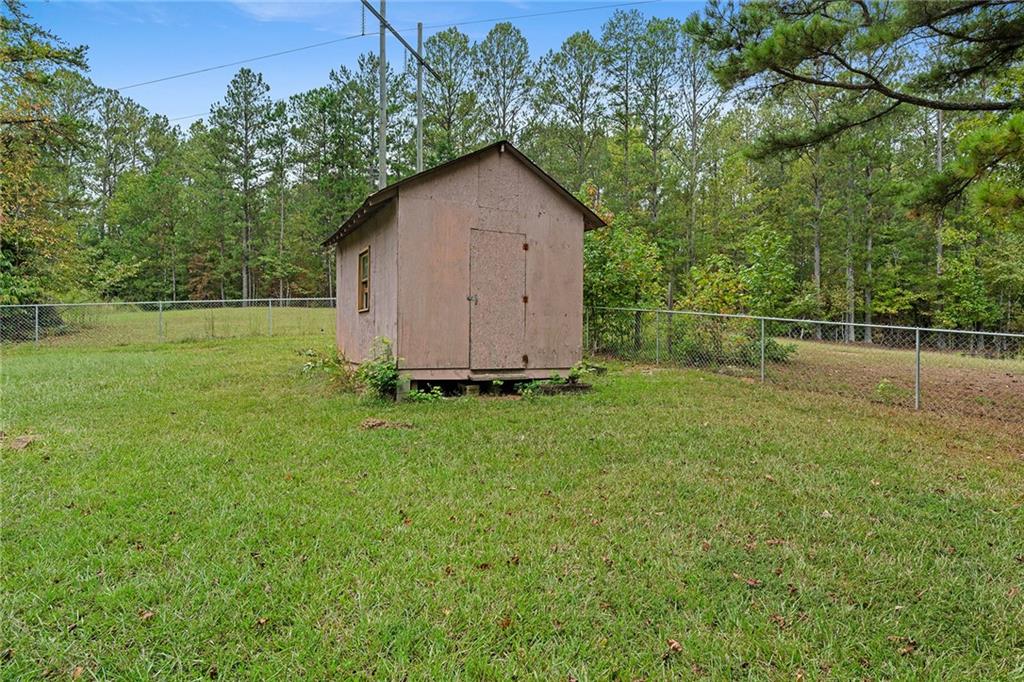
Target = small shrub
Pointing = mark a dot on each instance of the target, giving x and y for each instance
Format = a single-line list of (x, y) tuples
[(715, 344), (528, 389), (434, 395), (889, 393), (378, 376), (330, 364), (778, 352), (580, 370)]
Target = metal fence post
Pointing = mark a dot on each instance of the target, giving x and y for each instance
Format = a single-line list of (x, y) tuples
[(160, 320), (37, 325), (270, 317), (917, 369), (586, 329), (657, 338), (762, 350)]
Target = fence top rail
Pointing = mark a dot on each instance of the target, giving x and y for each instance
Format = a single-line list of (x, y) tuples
[(741, 316), (169, 302)]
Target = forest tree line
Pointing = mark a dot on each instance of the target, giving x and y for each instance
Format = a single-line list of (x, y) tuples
[(742, 166)]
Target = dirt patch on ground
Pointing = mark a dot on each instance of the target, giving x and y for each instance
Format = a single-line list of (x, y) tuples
[(18, 442), (373, 423), (563, 387), (950, 384)]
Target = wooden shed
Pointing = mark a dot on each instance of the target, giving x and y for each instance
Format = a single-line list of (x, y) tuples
[(472, 269)]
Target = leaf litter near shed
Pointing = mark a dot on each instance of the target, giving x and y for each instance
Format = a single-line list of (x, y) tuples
[(373, 423), (19, 442)]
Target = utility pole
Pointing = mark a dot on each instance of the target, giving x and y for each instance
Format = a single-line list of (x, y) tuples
[(419, 98), (382, 130), (422, 64)]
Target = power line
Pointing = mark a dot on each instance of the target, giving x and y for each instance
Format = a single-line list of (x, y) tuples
[(182, 118), (539, 14), (240, 61), (324, 43)]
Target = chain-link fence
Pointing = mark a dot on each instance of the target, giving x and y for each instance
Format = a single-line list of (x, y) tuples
[(966, 373), (963, 373), (107, 324)]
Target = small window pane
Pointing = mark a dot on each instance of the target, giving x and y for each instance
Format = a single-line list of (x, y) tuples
[(363, 291)]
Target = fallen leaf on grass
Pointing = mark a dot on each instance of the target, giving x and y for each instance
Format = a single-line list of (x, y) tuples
[(22, 442), (909, 645), (260, 622), (77, 672), (371, 423), (751, 582), (778, 620), (504, 623), (674, 647), (145, 615)]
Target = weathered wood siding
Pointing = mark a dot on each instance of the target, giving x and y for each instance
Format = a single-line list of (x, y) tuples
[(356, 331), (436, 217)]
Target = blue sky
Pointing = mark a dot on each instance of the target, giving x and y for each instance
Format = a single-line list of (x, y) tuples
[(131, 42)]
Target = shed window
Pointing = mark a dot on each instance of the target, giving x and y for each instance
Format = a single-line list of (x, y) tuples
[(363, 297)]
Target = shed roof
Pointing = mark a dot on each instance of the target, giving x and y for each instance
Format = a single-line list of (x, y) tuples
[(381, 198)]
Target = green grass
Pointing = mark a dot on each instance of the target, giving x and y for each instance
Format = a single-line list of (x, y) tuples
[(215, 486), (104, 325)]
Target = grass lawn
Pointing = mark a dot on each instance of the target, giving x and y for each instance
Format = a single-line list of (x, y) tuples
[(112, 324), (206, 510)]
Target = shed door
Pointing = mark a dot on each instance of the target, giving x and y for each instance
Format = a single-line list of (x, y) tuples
[(497, 280)]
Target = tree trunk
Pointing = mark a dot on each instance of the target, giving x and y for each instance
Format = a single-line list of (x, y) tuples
[(817, 240), (868, 266), (868, 284), (223, 294), (280, 246), (851, 293), (938, 167)]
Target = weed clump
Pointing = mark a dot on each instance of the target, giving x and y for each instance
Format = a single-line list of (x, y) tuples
[(330, 364), (378, 376)]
